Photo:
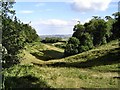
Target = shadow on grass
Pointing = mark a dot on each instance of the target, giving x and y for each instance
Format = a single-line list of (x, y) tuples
[(111, 57), (24, 82), (48, 55)]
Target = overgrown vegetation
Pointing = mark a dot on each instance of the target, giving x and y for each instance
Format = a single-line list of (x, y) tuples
[(97, 68), (94, 33), (60, 45), (15, 35), (51, 40), (94, 46)]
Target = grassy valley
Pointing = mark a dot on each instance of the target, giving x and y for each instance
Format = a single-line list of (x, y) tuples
[(89, 58), (43, 66)]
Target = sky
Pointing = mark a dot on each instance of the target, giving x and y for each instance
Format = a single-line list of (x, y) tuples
[(51, 17)]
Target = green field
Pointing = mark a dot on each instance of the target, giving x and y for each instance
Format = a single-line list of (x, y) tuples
[(44, 66)]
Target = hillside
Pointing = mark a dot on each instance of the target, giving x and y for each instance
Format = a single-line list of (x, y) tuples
[(44, 66)]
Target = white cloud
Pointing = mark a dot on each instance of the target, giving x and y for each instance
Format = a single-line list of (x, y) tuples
[(51, 22), (54, 26), (26, 12), (54, 22), (40, 4), (86, 20), (90, 5)]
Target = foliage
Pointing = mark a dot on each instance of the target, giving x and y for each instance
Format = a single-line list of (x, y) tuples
[(96, 32), (96, 68), (14, 33), (83, 40), (63, 46), (23, 77), (97, 28), (86, 42), (78, 31), (116, 26), (51, 40), (72, 46)]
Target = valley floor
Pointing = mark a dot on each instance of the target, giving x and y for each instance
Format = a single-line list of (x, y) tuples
[(44, 66)]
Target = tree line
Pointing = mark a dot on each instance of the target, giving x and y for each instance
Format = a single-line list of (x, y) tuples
[(51, 40), (15, 34), (94, 33)]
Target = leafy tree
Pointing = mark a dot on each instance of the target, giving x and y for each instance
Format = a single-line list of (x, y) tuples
[(74, 41), (116, 26), (78, 31), (72, 46), (97, 28), (86, 42), (96, 32), (79, 42), (108, 18), (51, 40), (14, 34), (109, 21), (7, 8), (11, 37)]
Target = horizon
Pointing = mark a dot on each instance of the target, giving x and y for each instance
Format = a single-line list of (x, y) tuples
[(54, 34)]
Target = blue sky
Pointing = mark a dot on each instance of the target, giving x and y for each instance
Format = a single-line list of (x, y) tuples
[(60, 17)]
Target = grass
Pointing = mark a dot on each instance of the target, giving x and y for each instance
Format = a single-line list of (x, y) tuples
[(96, 68), (39, 53)]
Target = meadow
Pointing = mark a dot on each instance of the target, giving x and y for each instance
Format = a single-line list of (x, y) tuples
[(44, 66)]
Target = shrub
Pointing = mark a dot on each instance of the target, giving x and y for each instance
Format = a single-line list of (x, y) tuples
[(51, 40), (72, 46)]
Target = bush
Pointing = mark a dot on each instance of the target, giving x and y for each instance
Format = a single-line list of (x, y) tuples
[(51, 40), (70, 50), (72, 46), (87, 41), (83, 48), (61, 46)]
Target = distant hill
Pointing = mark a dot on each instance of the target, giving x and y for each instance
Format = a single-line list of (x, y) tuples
[(59, 36)]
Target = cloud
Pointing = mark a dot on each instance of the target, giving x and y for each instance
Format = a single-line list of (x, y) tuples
[(54, 22), (26, 12), (54, 26), (40, 4), (90, 5), (86, 20)]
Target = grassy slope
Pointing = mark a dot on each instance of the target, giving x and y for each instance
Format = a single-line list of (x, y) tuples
[(97, 68)]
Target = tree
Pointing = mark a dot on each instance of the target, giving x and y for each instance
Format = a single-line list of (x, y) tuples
[(108, 17), (109, 21), (86, 43), (79, 42), (7, 8), (116, 26), (97, 29), (72, 46), (14, 34), (96, 17), (51, 40), (96, 32), (78, 31)]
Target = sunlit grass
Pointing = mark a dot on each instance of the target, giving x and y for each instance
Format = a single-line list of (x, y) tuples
[(97, 68)]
